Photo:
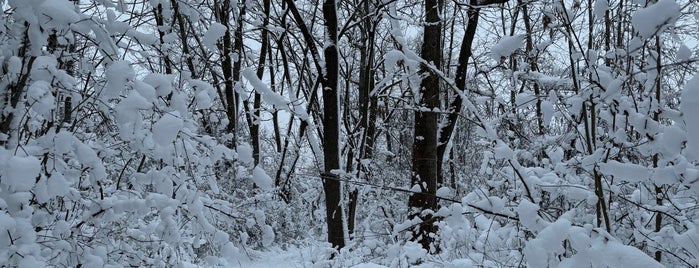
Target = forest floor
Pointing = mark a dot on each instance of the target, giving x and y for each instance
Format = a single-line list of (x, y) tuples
[(293, 257)]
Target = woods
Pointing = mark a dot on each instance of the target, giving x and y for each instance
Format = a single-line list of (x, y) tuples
[(480, 133)]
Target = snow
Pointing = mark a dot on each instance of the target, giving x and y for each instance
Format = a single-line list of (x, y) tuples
[(205, 93), (128, 116), (261, 179), (684, 53), (527, 213), (671, 141), (245, 154), (600, 7), (19, 173), (492, 203), (625, 171), (146, 39), (506, 46), (162, 83), (689, 240), (211, 36), (118, 74), (268, 96), (547, 111), (57, 185), (689, 106), (652, 19), (614, 254), (58, 12), (137, 179), (39, 94), (14, 66), (444, 192), (166, 129)]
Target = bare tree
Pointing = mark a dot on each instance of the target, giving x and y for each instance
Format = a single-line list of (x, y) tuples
[(424, 160)]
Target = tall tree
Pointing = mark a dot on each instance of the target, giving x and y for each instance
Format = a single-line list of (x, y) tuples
[(424, 160), (331, 147)]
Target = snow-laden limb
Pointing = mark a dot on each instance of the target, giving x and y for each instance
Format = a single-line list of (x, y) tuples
[(506, 46), (213, 34), (654, 18), (273, 98), (593, 248)]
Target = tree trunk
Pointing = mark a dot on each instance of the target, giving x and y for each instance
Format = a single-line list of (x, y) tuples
[(424, 160), (231, 67), (331, 182)]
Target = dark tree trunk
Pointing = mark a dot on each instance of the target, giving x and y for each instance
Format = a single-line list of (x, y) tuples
[(254, 115), (331, 182), (231, 67), (424, 159)]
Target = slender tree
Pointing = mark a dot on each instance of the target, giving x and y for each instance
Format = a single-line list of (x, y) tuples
[(424, 160)]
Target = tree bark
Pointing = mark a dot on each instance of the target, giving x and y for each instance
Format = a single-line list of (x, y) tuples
[(331, 156), (424, 160)]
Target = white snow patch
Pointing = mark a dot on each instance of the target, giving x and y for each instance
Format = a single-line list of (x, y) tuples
[(245, 154), (118, 74), (215, 31), (58, 13), (506, 46), (683, 53), (653, 18), (261, 179), (600, 7), (689, 106), (547, 111), (39, 94), (166, 129), (19, 173), (162, 83), (444, 192)]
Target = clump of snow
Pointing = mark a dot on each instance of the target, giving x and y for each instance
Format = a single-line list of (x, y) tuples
[(671, 141), (166, 129), (653, 18), (245, 154), (689, 240), (118, 74), (614, 254), (143, 38), (261, 179), (444, 192), (506, 46), (492, 203), (57, 185), (19, 173), (625, 171), (204, 95), (261, 88), (58, 13), (215, 31), (44, 68), (14, 66), (547, 111), (39, 95), (161, 82), (527, 213), (128, 116), (683, 53), (145, 90), (689, 106), (601, 6)]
